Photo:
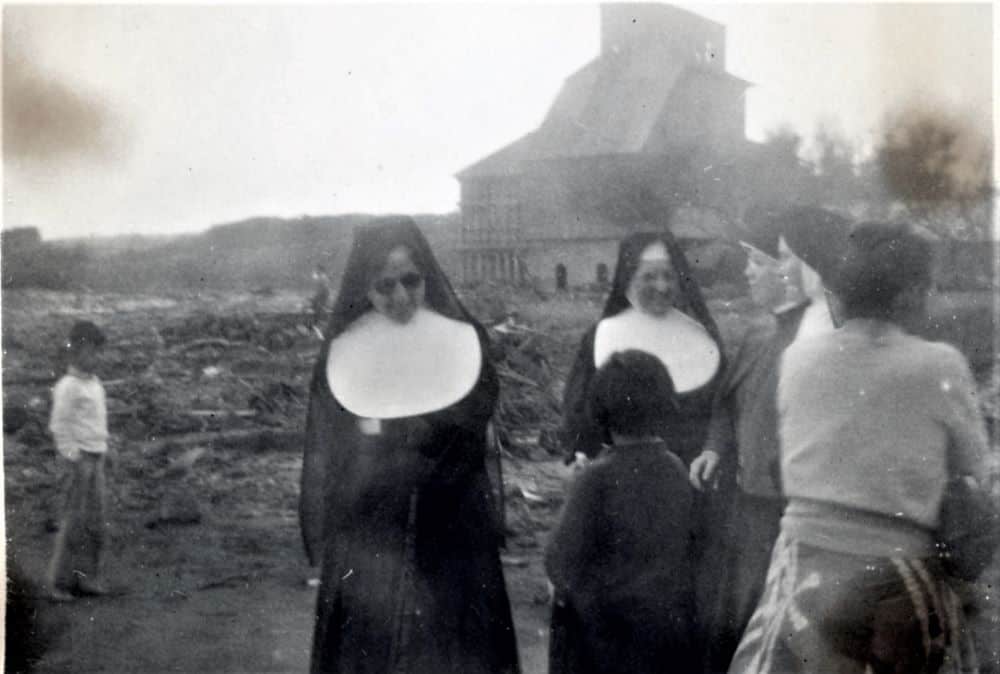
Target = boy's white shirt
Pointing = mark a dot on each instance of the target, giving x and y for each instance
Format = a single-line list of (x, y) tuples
[(79, 419)]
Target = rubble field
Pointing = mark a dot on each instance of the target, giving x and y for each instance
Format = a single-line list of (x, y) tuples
[(206, 399)]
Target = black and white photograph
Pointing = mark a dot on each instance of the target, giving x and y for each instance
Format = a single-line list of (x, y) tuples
[(500, 338)]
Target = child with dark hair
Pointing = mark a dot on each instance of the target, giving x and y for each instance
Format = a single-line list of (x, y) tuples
[(620, 556), (79, 426)]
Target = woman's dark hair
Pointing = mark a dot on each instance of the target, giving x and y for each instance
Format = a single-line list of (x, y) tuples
[(632, 394), (882, 260)]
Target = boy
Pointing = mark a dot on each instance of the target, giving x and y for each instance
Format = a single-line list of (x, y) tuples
[(620, 556), (80, 429)]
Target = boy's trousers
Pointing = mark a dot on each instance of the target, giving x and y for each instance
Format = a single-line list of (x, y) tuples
[(80, 541)]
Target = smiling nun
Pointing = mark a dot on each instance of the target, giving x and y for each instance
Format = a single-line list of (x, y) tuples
[(656, 306)]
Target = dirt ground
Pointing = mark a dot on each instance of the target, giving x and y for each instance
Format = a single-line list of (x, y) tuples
[(228, 594), (206, 399)]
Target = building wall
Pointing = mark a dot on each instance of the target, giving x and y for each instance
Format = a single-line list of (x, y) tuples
[(701, 111), (580, 258), (710, 261), (573, 211), (491, 211), (451, 263), (492, 265), (552, 199), (587, 197), (570, 212)]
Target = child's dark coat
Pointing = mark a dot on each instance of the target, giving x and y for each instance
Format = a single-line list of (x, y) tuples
[(620, 560)]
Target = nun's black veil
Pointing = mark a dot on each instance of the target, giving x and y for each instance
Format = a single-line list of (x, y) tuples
[(372, 244), (580, 431), (416, 512), (690, 301)]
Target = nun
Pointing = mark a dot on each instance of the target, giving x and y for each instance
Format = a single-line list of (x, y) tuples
[(656, 306), (395, 501)]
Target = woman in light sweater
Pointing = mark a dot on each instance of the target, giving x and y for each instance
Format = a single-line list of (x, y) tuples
[(873, 423)]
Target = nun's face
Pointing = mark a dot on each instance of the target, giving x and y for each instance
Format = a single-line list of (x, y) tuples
[(653, 287), (397, 291)]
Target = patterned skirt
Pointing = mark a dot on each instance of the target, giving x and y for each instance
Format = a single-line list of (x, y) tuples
[(825, 611)]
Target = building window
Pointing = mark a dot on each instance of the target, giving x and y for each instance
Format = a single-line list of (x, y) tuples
[(561, 274), (602, 274)]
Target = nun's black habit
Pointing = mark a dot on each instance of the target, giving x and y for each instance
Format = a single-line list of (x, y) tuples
[(581, 434), (688, 429), (401, 522)]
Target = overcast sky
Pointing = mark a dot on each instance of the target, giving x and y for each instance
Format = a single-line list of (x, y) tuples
[(143, 119)]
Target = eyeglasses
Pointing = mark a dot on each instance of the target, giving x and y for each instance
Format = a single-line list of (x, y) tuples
[(409, 280)]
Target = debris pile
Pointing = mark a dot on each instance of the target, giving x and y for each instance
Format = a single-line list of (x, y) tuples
[(271, 332), (167, 370), (532, 348), (277, 402), (529, 410)]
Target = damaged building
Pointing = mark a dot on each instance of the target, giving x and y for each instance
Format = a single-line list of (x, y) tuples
[(655, 118)]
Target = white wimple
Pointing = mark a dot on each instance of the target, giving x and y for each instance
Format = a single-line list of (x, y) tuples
[(381, 369), (678, 341)]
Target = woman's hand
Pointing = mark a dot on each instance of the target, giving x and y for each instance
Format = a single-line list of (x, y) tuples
[(703, 469)]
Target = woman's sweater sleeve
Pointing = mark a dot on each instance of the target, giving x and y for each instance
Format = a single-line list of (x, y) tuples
[(963, 417)]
